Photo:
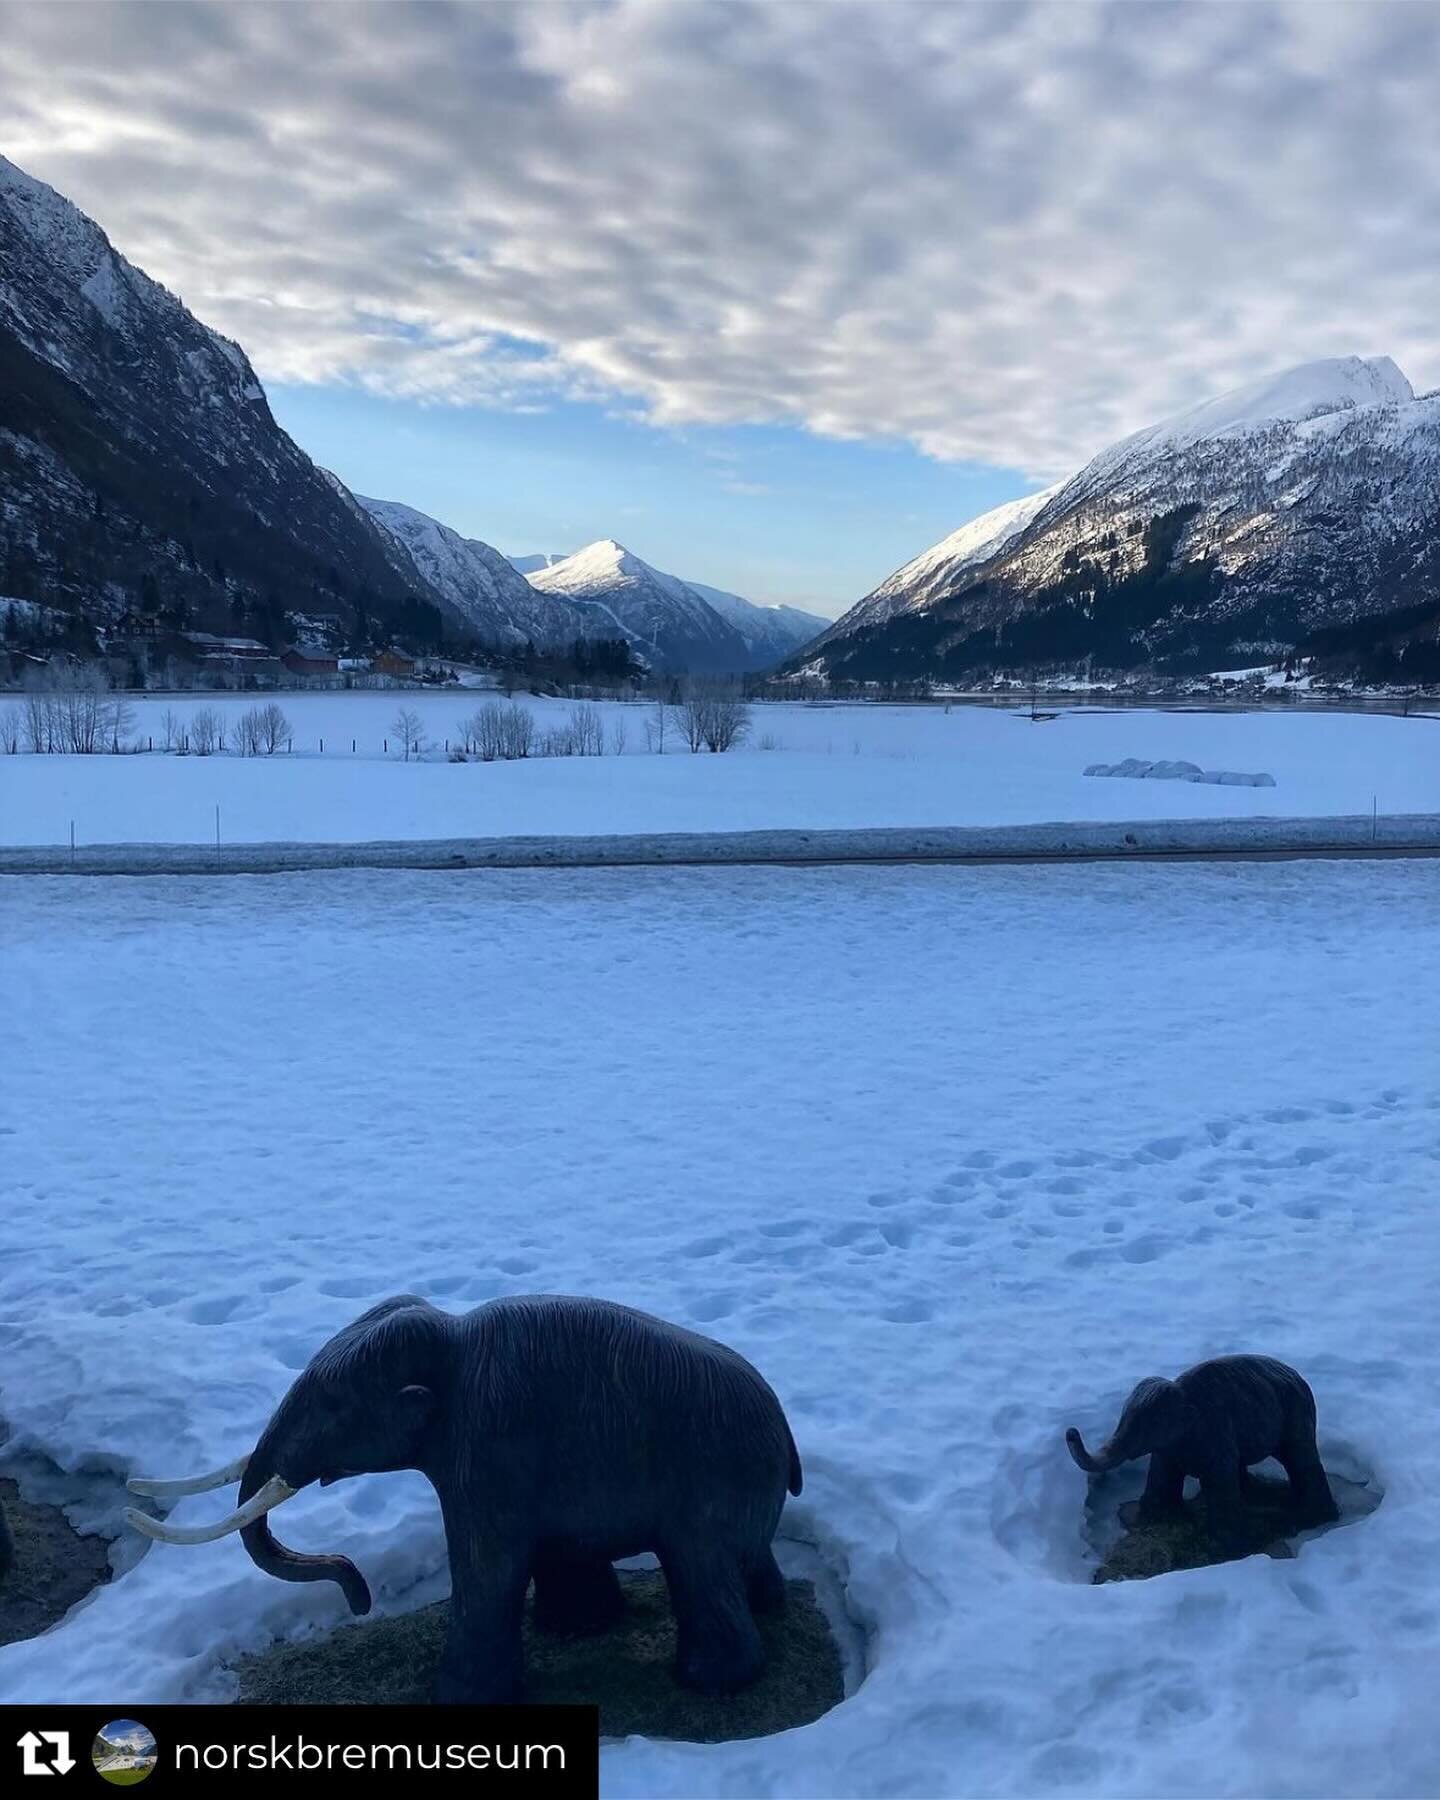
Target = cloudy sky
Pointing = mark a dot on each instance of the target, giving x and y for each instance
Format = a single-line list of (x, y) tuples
[(777, 294)]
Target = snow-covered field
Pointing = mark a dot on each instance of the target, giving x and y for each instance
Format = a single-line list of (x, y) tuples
[(834, 767), (954, 1156)]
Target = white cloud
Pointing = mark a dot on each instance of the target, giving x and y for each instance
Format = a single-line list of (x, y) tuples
[(1004, 233)]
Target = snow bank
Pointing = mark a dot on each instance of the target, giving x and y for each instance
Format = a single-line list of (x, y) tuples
[(1407, 833), (912, 1142), (1172, 770)]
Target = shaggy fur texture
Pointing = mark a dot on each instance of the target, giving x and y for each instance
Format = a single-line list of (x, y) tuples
[(560, 1434)]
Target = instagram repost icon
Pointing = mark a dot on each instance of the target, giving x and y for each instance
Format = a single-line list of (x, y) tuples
[(123, 1752)]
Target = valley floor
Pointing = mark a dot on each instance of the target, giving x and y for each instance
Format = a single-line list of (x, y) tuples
[(805, 767), (954, 1155)]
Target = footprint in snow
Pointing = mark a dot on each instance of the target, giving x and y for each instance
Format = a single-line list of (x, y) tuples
[(907, 1312), (708, 1307), (706, 1246), (218, 1310)]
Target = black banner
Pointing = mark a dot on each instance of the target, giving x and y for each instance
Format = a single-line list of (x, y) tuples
[(551, 1752)]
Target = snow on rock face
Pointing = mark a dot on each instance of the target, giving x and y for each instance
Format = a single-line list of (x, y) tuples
[(1308, 498), (483, 586), (171, 438), (664, 617), (770, 631), (939, 568), (1296, 396)]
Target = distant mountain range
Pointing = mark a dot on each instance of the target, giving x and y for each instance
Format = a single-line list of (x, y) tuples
[(670, 622), (145, 483), (1298, 514), (144, 480)]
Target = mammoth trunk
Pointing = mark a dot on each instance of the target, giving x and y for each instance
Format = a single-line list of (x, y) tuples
[(1092, 1465), (268, 1553)]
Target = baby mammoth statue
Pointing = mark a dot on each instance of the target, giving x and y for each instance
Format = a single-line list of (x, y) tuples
[(1213, 1422), (559, 1434)]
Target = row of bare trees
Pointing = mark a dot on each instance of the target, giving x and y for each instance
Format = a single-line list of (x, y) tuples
[(210, 731), (504, 731), (80, 716), (714, 719), (71, 714)]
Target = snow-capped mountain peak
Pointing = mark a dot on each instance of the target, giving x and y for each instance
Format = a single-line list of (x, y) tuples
[(673, 623), (1313, 390), (1243, 526)]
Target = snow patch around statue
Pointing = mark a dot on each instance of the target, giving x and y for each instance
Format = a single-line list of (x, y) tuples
[(1174, 770)]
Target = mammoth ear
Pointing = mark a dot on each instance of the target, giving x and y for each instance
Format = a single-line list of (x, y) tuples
[(417, 1406)]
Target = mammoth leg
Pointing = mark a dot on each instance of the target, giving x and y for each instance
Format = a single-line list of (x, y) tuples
[(764, 1584), (719, 1649), (482, 1665), (576, 1594), (1309, 1484), (1224, 1512), (1164, 1489)]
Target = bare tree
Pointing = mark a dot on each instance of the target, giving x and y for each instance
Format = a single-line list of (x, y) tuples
[(10, 731), (727, 722), (559, 741), (207, 731), (274, 728), (657, 720), (690, 718), (499, 731), (38, 717), (120, 722), (409, 727), (170, 728), (587, 728), (81, 712), (619, 735), (712, 718), (247, 732)]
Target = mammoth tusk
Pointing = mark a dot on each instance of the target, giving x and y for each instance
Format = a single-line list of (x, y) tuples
[(193, 1484), (274, 1491)]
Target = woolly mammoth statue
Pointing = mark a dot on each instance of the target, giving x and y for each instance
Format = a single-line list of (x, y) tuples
[(1213, 1422), (559, 1434)]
